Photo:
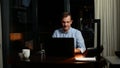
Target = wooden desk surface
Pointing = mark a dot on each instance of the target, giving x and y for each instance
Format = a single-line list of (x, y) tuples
[(51, 59), (36, 60)]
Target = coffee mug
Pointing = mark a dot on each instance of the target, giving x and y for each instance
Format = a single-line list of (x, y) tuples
[(26, 53)]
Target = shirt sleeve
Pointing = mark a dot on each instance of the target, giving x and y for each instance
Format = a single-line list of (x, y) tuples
[(80, 42), (54, 34)]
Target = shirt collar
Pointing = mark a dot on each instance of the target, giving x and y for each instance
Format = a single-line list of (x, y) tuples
[(65, 32)]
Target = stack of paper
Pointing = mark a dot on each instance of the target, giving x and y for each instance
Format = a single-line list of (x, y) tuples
[(86, 59)]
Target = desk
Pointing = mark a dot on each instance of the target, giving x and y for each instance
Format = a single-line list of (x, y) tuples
[(113, 61), (36, 61)]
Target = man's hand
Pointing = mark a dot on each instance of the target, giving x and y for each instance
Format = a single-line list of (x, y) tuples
[(76, 50)]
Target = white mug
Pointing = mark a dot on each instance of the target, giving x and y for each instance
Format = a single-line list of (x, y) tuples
[(26, 53)]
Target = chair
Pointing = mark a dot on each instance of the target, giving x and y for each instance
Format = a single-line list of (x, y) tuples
[(88, 32)]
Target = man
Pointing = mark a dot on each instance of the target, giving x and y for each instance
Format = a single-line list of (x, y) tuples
[(68, 31)]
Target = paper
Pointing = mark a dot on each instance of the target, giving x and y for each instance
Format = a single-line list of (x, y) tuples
[(86, 59)]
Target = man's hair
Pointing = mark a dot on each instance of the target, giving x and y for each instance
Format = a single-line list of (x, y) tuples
[(65, 14)]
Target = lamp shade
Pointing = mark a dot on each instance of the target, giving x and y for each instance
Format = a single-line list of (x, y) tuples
[(16, 36)]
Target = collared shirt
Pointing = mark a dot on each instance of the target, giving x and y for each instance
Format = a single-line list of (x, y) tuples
[(71, 33)]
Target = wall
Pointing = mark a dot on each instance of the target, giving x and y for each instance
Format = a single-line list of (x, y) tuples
[(1, 66)]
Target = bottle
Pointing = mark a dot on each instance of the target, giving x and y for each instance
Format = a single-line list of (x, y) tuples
[(42, 52)]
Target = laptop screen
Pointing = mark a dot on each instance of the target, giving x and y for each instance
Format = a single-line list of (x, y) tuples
[(60, 47)]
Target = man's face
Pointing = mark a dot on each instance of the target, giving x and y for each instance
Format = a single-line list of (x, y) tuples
[(66, 23)]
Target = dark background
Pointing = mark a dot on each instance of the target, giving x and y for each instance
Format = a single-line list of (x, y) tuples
[(40, 18)]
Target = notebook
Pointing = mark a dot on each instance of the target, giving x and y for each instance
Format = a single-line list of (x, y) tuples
[(59, 47), (86, 59)]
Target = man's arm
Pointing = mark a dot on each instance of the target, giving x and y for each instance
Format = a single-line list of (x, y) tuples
[(80, 43)]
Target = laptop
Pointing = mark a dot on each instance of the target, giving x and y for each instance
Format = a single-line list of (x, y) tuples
[(59, 47)]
